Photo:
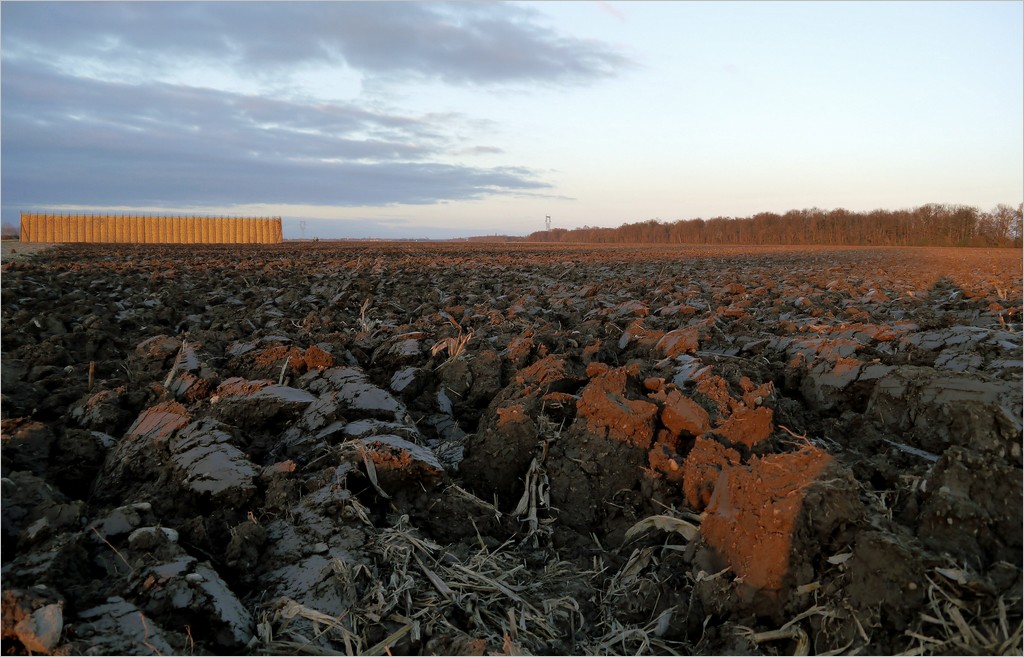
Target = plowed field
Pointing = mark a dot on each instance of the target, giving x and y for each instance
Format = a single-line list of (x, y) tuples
[(371, 448)]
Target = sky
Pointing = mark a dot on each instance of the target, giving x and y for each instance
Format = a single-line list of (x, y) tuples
[(413, 120)]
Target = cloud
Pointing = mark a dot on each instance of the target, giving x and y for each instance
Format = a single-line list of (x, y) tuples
[(112, 103), (77, 140), (462, 43), (611, 9), (481, 150)]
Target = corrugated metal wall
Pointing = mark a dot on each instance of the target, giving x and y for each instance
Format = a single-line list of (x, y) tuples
[(131, 229)]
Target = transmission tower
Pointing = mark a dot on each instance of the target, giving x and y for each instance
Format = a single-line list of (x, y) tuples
[(547, 222)]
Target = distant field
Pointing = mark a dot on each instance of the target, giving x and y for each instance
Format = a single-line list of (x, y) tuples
[(15, 251)]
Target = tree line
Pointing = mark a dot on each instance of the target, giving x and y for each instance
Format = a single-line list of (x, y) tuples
[(928, 225)]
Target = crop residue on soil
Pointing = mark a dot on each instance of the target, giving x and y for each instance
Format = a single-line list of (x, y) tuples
[(476, 449)]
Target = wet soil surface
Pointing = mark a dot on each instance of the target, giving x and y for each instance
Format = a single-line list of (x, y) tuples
[(473, 449)]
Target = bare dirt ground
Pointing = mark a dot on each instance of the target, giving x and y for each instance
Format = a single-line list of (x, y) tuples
[(480, 449), (15, 251)]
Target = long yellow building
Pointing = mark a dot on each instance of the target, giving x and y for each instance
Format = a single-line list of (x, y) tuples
[(141, 229)]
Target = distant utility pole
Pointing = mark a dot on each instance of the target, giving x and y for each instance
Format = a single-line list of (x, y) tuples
[(547, 222)]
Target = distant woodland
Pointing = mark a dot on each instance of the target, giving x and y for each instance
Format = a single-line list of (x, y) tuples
[(928, 225)]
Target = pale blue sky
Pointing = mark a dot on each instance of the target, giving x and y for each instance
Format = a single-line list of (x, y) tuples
[(412, 120)]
